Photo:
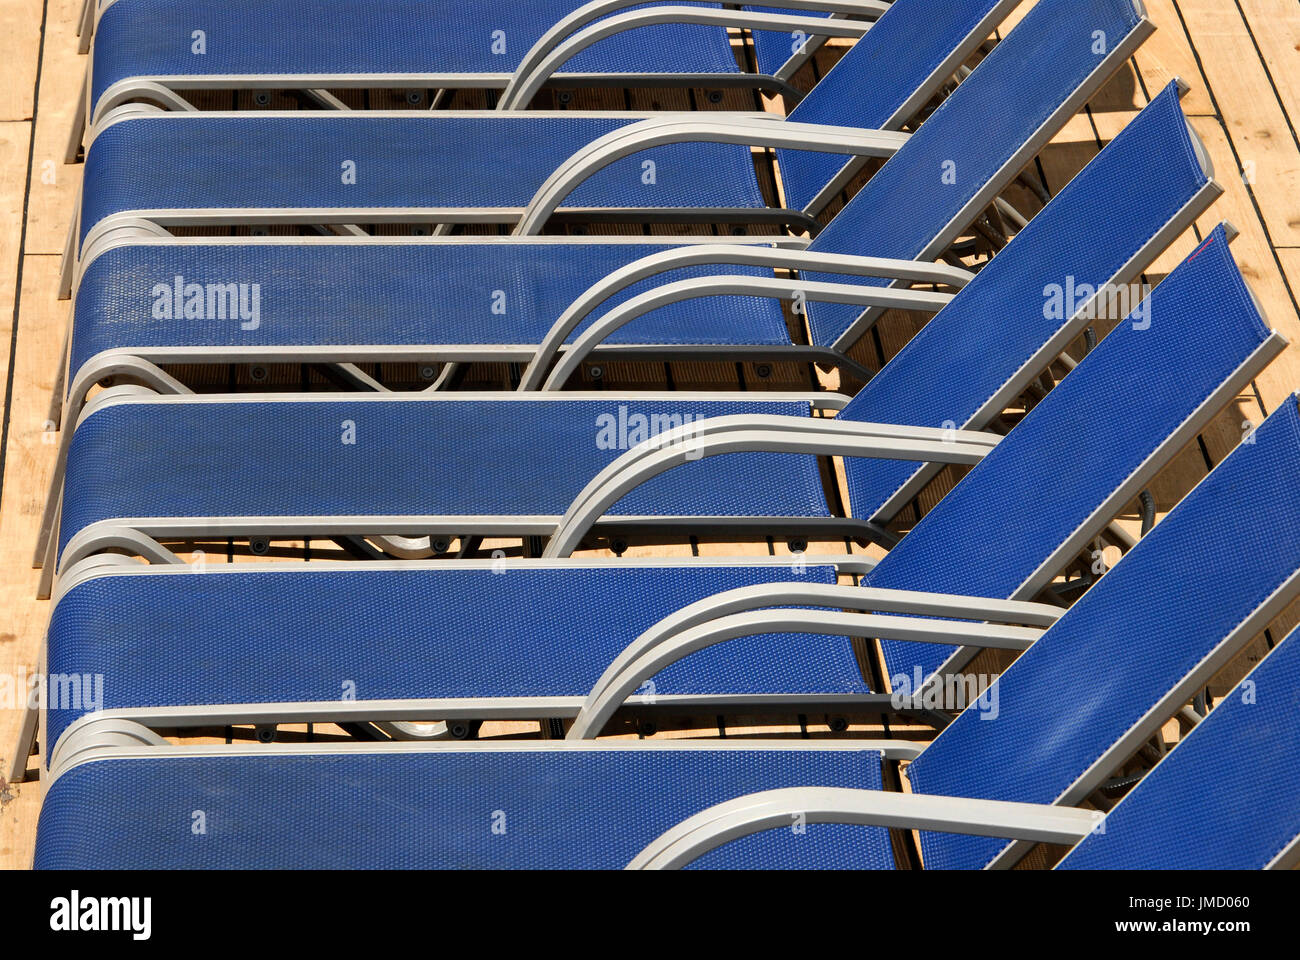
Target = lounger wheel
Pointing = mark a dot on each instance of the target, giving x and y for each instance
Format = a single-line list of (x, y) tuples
[(415, 97), (265, 732), (262, 98), (440, 544), (1116, 787), (763, 371), (258, 373), (463, 729), (595, 371), (797, 544), (564, 97), (618, 545), (837, 724), (715, 96), (259, 546)]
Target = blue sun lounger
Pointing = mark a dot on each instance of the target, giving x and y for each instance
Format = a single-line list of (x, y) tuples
[(209, 170), (480, 644), (148, 49), (917, 388), (350, 300), (1162, 625)]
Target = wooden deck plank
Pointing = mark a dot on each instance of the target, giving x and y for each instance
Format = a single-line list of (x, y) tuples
[(1168, 54), (54, 183), (1256, 257), (1263, 142), (28, 458), (1274, 26), (20, 46)]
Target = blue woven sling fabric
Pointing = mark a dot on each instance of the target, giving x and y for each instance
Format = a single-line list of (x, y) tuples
[(550, 809), (153, 38), (1129, 640), (411, 458), (1073, 450), (1226, 797), (772, 48), (969, 139), (294, 636), (424, 161), (983, 338), (873, 81), (391, 294)]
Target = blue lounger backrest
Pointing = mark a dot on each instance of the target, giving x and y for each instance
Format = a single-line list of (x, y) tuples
[(976, 141), (1023, 512), (976, 351), (1226, 797), (1102, 671), (875, 84)]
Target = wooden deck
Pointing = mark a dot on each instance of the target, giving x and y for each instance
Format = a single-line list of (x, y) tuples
[(1239, 56)]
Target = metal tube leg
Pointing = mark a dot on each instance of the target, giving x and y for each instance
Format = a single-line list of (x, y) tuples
[(77, 131), (51, 559), (54, 416), (25, 746), (68, 268), (53, 500), (87, 25)]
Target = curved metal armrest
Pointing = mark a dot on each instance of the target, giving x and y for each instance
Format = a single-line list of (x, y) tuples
[(524, 86), (730, 614), (697, 835), (772, 288), (750, 433), (915, 271), (650, 656), (537, 64), (746, 129)]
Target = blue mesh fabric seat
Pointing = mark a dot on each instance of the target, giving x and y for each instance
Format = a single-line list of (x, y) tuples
[(1159, 623), (387, 296), (962, 546), (183, 168), (1225, 798)]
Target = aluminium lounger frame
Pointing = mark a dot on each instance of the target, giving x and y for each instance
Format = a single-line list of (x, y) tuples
[(570, 34)]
